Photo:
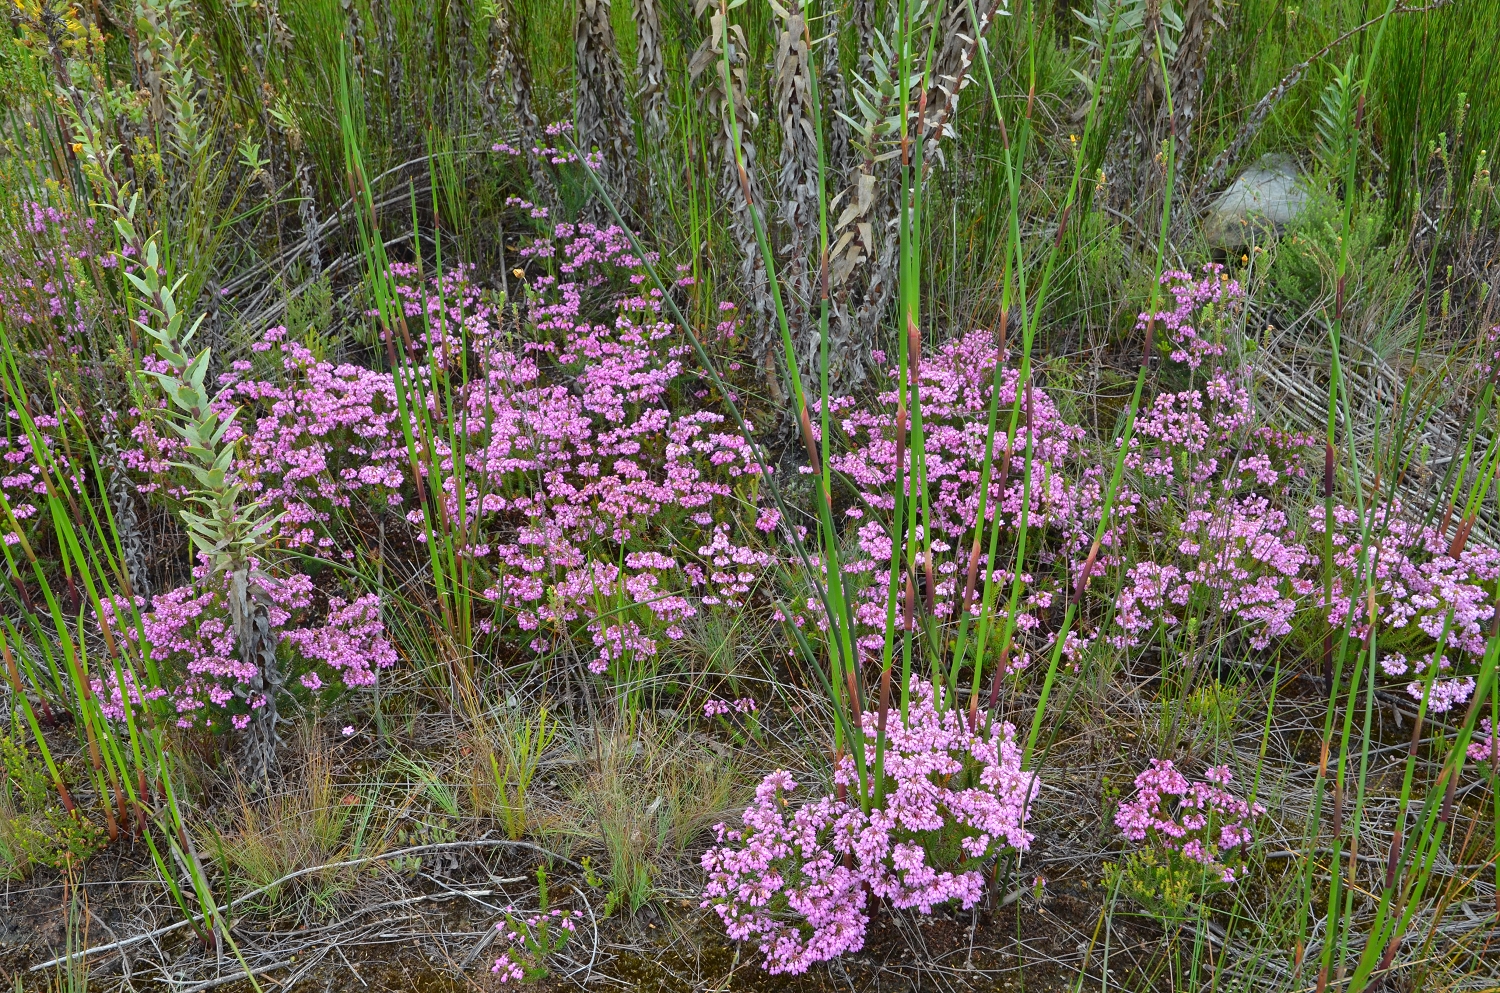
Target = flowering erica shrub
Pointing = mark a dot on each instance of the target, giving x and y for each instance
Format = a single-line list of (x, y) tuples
[(1219, 541), (190, 637), (1427, 579), (1485, 746), (52, 264), (1193, 330), (797, 880), (1192, 835), (531, 940), (956, 383), (571, 445), (600, 493), (22, 480)]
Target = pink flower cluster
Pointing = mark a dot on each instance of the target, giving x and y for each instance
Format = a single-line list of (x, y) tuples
[(797, 880), (715, 708), (1230, 549), (51, 289), (1199, 303), (21, 478), (1485, 746), (573, 444), (1425, 578), (190, 636), (1201, 821), (531, 940), (955, 385), (1218, 542)]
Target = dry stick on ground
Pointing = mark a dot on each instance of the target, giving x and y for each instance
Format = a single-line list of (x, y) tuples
[(348, 863)]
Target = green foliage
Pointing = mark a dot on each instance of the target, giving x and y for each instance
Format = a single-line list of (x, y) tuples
[(310, 318), (34, 827), (1436, 75), (1302, 270), (522, 744), (1335, 121), (1210, 712), (1164, 884)]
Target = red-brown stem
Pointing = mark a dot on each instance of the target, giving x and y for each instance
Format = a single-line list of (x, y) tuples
[(995, 680), (22, 591), (1461, 537), (961, 609), (10, 668), (807, 439), (1398, 836), (1447, 814), (1083, 575), (931, 582), (1377, 979), (1323, 760), (122, 812)]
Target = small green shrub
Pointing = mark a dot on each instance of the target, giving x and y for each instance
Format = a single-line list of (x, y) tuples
[(34, 827), (1165, 884)]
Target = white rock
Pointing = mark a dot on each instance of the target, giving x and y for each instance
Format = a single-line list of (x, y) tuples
[(1259, 204)]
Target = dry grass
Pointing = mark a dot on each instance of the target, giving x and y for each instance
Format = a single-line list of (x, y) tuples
[(311, 821)]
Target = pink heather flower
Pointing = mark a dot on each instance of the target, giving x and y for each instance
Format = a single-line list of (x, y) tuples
[(1485, 746), (1200, 821), (190, 636), (507, 969), (348, 730), (1446, 693), (782, 880)]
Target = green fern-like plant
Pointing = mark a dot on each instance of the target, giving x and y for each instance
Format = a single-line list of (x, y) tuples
[(1335, 121)]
